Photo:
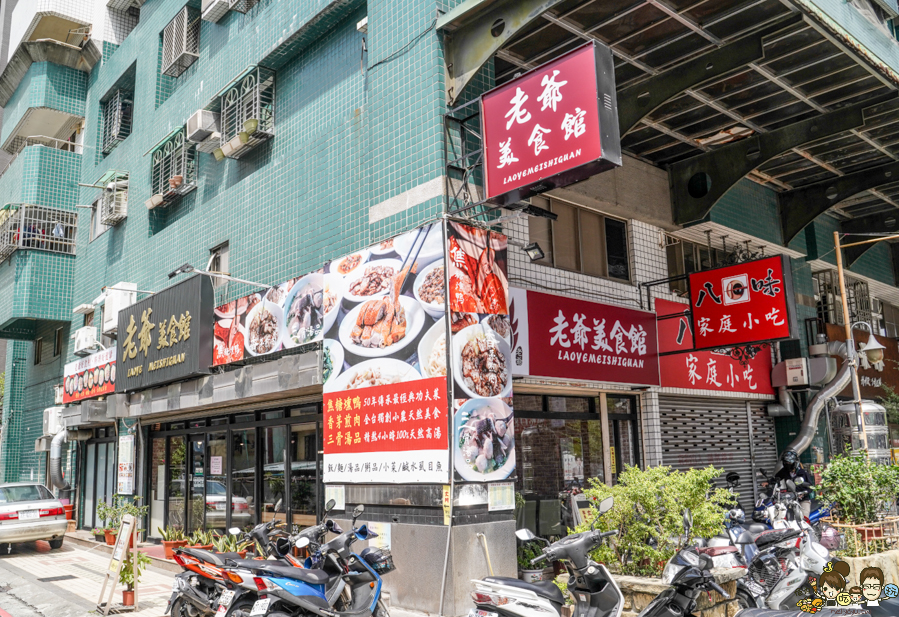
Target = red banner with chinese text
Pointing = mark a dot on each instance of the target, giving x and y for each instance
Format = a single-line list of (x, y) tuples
[(706, 370), (744, 303)]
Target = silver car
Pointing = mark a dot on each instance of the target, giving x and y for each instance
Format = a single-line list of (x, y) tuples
[(30, 512)]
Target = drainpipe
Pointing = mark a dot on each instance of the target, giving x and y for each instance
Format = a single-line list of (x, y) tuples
[(56, 478), (785, 402), (813, 411)]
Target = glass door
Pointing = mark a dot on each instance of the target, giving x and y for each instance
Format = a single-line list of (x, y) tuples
[(196, 489), (625, 443), (243, 478), (274, 467), (304, 440), (90, 481), (177, 481), (217, 495), (157, 486)]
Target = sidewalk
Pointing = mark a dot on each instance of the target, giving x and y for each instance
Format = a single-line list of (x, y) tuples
[(67, 582)]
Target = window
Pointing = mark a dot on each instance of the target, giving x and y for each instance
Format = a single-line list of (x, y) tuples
[(117, 113), (218, 262), (57, 343), (97, 226), (827, 297), (181, 42), (686, 258), (88, 319), (174, 168), (890, 320), (38, 347), (580, 240)]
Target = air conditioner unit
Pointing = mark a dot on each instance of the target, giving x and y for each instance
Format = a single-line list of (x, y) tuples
[(53, 422), (202, 125), (85, 340), (114, 203), (180, 42), (214, 10), (57, 394), (119, 296)]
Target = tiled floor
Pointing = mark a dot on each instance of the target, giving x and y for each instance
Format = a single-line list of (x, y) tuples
[(85, 571)]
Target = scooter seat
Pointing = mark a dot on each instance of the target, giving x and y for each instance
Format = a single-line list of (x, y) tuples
[(544, 589), (258, 564), (715, 551), (216, 559), (775, 536), (311, 576)]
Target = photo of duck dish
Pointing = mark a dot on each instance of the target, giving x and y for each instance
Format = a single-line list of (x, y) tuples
[(264, 328), (349, 264), (500, 324), (375, 373), (482, 362), (374, 279), (484, 440), (478, 278)]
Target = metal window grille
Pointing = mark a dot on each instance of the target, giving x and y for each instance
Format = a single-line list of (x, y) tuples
[(180, 42), (248, 110), (117, 116), (174, 170), (242, 6), (114, 200), (830, 310), (28, 226)]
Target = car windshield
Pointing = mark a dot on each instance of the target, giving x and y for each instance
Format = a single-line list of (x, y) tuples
[(29, 492), (215, 488)]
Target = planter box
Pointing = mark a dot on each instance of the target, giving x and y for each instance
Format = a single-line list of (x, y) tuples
[(170, 546), (109, 536), (531, 576)]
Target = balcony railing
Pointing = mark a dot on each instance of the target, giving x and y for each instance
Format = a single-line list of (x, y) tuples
[(21, 143), (28, 226), (248, 111)]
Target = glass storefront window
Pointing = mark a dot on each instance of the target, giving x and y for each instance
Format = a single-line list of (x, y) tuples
[(177, 477), (157, 486), (196, 491), (90, 481), (243, 479), (302, 474), (274, 451), (217, 500)]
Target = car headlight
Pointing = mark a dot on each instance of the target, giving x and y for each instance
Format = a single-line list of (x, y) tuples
[(670, 572)]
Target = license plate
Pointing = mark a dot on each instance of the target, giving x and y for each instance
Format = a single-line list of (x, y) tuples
[(225, 598), (25, 515), (260, 607), (479, 613), (175, 585), (223, 610)]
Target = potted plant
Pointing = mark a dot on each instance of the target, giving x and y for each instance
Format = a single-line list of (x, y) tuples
[(99, 534), (231, 544), (127, 575), (172, 538), (526, 552), (201, 539), (108, 514)]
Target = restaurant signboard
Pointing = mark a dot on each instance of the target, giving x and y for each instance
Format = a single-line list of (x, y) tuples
[(89, 377)]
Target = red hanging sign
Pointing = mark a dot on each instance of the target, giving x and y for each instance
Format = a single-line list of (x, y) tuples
[(745, 303), (723, 371), (549, 128)]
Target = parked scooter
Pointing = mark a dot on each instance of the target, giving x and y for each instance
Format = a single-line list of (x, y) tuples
[(293, 592), (595, 592)]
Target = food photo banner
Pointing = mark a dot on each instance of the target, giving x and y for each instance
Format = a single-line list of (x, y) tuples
[(89, 377), (725, 370), (749, 302), (385, 357), (481, 354), (557, 336)]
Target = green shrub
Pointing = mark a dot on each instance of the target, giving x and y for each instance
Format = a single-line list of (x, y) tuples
[(649, 504), (858, 487), (526, 552)]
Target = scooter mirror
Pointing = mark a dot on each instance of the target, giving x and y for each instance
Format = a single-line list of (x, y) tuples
[(358, 510), (330, 505), (688, 520), (606, 504), (791, 486), (302, 543), (525, 535), (234, 531)]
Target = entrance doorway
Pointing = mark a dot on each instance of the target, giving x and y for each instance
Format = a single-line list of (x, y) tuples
[(237, 471), (99, 475), (624, 443)]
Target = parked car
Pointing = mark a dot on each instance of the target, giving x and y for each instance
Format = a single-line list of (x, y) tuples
[(30, 512)]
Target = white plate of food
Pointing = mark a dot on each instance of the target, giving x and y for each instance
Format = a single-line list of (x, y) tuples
[(375, 309), (303, 306), (334, 286), (371, 280), (431, 251), (262, 330), (482, 362), (277, 294), (499, 324), (370, 373), (345, 266), (484, 440), (384, 247), (331, 351), (430, 289), (432, 351)]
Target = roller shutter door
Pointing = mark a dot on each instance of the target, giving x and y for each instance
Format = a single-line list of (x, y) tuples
[(698, 432)]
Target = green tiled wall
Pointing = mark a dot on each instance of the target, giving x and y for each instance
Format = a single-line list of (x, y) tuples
[(46, 85), (875, 263), (747, 196)]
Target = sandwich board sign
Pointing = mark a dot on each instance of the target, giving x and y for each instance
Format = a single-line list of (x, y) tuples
[(127, 532)]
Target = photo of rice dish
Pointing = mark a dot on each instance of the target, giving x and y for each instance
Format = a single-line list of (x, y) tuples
[(100, 380), (432, 289), (106, 371), (500, 325), (437, 359), (486, 439), (484, 369), (374, 376), (90, 380), (112, 373), (276, 294), (263, 332), (375, 280), (304, 317)]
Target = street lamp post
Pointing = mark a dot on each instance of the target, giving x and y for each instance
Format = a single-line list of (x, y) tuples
[(873, 349)]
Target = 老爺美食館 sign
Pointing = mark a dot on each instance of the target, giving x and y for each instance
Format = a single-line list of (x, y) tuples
[(166, 337), (745, 303), (552, 126)]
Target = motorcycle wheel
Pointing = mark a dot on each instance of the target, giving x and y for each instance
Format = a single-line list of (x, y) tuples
[(381, 610), (745, 599), (246, 607), (180, 608)]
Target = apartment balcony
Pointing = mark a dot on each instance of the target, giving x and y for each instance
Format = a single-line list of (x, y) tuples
[(38, 242)]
